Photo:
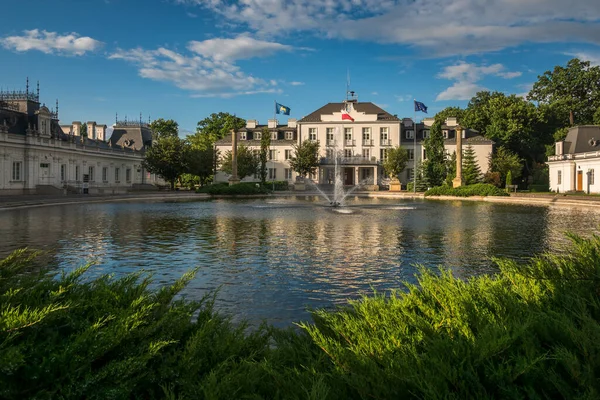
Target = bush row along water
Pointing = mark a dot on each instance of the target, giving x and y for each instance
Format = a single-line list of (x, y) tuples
[(530, 331)]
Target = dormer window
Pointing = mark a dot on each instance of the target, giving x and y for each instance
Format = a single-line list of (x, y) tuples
[(243, 136), (274, 135), (425, 133), (257, 135), (445, 133), (289, 135), (410, 134)]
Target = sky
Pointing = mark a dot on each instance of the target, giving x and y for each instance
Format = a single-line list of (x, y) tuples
[(186, 59)]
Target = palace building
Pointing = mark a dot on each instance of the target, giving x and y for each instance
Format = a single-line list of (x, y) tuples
[(356, 135), (40, 156)]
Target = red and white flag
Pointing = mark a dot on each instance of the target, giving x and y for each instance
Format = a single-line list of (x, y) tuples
[(347, 116)]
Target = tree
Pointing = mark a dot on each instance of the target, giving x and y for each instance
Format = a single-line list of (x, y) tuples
[(305, 159), (395, 162), (247, 162), (265, 143), (477, 116), (435, 167), (503, 161), (83, 130), (597, 117), (164, 128), (200, 163), (217, 126), (451, 168), (471, 173), (574, 91), (167, 158)]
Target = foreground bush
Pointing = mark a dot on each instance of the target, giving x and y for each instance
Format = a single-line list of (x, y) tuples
[(478, 189), (242, 188), (531, 331)]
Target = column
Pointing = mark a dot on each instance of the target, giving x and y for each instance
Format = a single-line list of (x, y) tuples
[(357, 176), (458, 181)]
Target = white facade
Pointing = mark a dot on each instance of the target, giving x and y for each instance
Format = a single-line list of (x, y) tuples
[(576, 163)]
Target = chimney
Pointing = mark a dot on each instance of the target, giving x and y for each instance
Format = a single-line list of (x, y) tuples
[(91, 129), (292, 122), (272, 123), (407, 122), (451, 121), (251, 123), (101, 132), (76, 128), (559, 149)]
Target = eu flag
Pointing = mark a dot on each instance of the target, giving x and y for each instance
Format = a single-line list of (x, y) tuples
[(420, 107), (281, 109)]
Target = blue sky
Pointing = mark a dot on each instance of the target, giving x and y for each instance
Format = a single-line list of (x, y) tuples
[(185, 59)]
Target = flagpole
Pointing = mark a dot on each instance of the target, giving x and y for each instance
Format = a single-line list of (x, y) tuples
[(272, 158), (415, 149)]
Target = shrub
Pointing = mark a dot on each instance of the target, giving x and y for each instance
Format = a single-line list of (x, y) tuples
[(493, 178), (279, 185), (478, 189), (540, 188)]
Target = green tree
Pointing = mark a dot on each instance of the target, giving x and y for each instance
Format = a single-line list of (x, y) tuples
[(574, 91), (167, 158), (451, 168), (83, 130), (478, 115), (200, 163), (395, 162), (217, 126), (503, 161), (597, 117), (305, 159), (508, 178), (435, 167), (421, 177), (247, 162), (164, 128), (265, 144), (470, 169)]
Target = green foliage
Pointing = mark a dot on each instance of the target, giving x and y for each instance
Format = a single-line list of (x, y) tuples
[(217, 126), (478, 189), (493, 178), (305, 159), (265, 144), (167, 157), (451, 168), (470, 169), (83, 129), (435, 168), (279, 185), (572, 91), (164, 128), (247, 162), (597, 116), (504, 160), (395, 162), (242, 188), (539, 188), (200, 163), (529, 331), (509, 178)]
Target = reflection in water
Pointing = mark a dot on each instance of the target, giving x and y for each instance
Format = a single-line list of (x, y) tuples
[(273, 259)]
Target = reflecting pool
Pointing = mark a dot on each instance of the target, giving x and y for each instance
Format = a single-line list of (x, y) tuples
[(274, 258)]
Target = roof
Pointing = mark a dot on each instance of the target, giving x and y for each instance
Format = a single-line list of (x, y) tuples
[(367, 108), (133, 137), (582, 139), (259, 128)]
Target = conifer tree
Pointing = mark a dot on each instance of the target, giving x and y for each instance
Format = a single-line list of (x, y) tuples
[(471, 171)]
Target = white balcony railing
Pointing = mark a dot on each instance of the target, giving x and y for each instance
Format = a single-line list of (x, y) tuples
[(350, 142), (386, 142), (367, 142)]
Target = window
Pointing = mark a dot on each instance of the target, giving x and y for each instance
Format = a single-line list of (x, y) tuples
[(243, 136), (44, 165), (424, 154), (272, 154), (383, 135), (348, 133), (77, 172), (411, 154), (63, 172), (312, 134), (366, 153), (288, 154), (17, 170), (445, 134), (591, 176), (329, 153), (559, 177), (105, 174), (91, 173), (117, 173), (409, 134), (410, 174), (128, 174), (425, 133), (257, 136), (289, 136), (274, 135), (366, 133), (330, 138), (288, 173), (272, 173), (347, 153), (383, 154)]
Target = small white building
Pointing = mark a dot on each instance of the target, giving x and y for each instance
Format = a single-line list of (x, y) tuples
[(577, 157)]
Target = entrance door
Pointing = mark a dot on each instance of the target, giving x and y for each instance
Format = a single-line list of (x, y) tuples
[(348, 176), (579, 180)]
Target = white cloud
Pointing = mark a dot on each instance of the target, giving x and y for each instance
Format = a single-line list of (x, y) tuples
[(404, 97), (593, 58), (51, 42), (439, 27), (296, 83), (466, 76), (526, 88), (204, 70), (241, 47), (374, 93)]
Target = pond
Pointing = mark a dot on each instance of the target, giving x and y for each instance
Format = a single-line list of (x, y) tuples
[(274, 258)]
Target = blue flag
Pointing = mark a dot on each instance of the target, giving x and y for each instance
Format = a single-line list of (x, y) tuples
[(281, 109), (420, 107)]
